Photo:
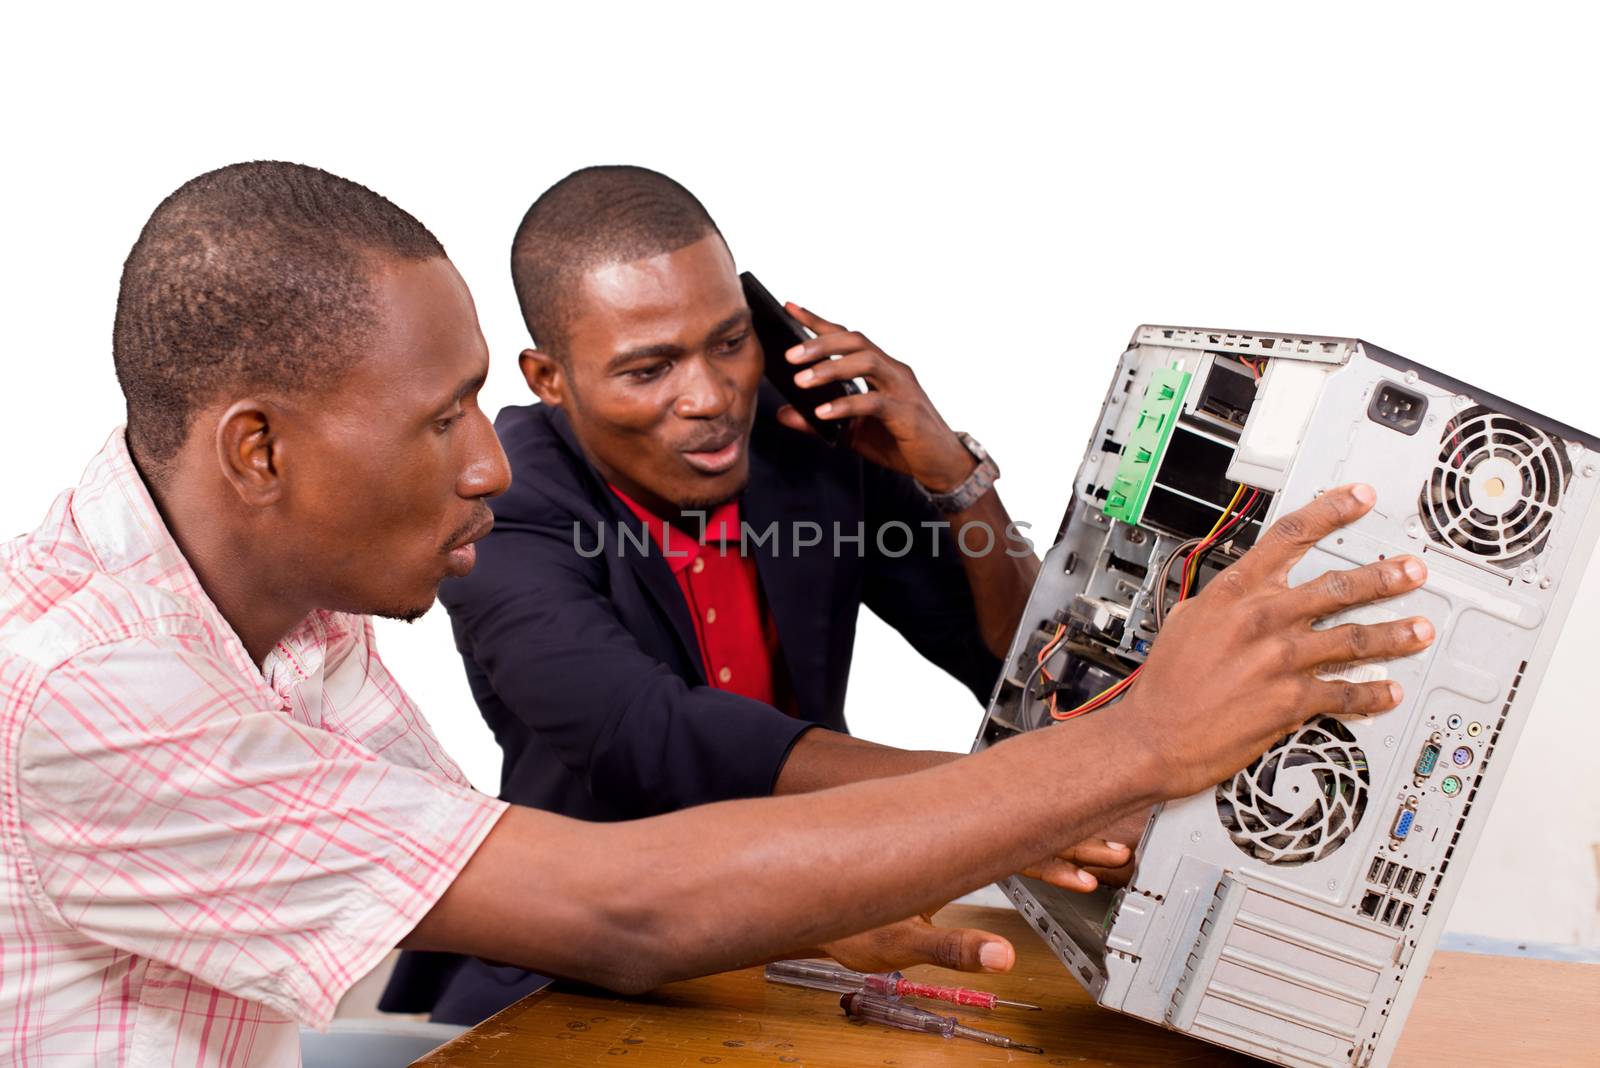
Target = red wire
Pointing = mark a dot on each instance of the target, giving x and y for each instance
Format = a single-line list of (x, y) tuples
[(1116, 691), (1101, 701), (1112, 693), (1095, 703), (1049, 650), (1183, 592)]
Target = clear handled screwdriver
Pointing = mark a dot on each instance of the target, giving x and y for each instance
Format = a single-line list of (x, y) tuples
[(910, 1018), (825, 975)]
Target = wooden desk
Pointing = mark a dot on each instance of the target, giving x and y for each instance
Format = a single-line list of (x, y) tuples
[(1473, 1010)]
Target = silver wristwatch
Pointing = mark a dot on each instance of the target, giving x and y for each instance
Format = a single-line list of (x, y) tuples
[(973, 487)]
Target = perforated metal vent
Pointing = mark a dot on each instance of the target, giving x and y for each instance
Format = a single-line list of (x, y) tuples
[(1301, 799), (1495, 488)]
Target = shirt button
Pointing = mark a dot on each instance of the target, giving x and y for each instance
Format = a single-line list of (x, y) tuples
[(724, 675), (711, 615), (698, 566)]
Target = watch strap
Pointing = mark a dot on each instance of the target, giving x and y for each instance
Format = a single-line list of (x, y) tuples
[(973, 487)]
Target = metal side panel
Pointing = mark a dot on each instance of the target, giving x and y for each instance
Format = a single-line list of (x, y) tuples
[(1065, 927), (1468, 831), (1154, 936), (1255, 343), (1281, 980)]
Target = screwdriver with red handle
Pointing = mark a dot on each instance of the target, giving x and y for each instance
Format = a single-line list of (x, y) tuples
[(825, 975), (911, 1018)]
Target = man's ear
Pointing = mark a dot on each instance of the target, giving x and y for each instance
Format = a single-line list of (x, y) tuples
[(544, 375), (250, 452)]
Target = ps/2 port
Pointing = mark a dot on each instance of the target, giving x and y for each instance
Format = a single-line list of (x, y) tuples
[(1450, 786), (1461, 757)]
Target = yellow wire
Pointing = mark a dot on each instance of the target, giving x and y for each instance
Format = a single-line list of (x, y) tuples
[(1044, 654), (1226, 512), (1194, 566)]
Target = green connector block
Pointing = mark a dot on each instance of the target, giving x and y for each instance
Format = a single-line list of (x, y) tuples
[(1141, 456)]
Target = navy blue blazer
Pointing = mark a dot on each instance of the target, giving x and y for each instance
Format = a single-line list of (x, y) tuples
[(585, 663)]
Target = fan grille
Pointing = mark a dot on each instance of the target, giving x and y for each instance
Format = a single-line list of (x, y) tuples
[(1496, 487), (1301, 799)]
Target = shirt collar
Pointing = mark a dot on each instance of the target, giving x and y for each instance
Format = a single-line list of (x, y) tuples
[(680, 548), (119, 521), (123, 528)]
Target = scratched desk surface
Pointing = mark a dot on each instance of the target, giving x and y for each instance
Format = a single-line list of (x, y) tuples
[(1473, 1010)]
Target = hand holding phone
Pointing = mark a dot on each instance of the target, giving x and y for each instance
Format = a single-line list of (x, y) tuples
[(778, 332)]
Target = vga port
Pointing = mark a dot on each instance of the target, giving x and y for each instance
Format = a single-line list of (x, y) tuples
[(1402, 823)]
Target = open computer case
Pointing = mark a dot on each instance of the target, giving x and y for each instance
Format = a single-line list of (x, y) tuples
[(1291, 911)]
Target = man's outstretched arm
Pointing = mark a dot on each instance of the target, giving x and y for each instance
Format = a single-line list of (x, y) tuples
[(633, 905), (822, 759)]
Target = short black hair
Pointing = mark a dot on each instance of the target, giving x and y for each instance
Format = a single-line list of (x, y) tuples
[(595, 216), (256, 275)]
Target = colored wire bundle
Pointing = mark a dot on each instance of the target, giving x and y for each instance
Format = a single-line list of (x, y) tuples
[(1039, 670), (1232, 515), (1194, 553), (1100, 700)]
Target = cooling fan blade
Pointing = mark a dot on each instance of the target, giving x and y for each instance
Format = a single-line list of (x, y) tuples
[(1301, 799), (1496, 487)]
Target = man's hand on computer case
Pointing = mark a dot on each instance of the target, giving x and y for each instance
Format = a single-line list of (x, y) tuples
[(918, 941), (1234, 668), (897, 425), (1118, 871), (1074, 868)]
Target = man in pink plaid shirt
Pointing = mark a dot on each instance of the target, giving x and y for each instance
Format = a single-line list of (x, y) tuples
[(219, 809)]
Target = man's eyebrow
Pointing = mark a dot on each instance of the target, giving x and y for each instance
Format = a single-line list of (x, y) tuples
[(659, 351), (738, 318), (471, 385), (667, 349)]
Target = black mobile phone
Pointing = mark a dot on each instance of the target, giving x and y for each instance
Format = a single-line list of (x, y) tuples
[(778, 332)]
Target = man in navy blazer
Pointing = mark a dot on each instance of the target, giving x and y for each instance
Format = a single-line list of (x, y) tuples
[(587, 649)]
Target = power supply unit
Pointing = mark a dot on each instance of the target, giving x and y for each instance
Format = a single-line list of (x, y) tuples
[(1290, 912)]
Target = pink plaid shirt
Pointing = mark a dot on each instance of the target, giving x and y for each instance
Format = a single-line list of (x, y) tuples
[(198, 853)]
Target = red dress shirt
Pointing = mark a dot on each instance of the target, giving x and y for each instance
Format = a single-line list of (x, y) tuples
[(738, 642)]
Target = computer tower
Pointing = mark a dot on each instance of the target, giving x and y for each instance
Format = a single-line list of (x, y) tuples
[(1290, 912)]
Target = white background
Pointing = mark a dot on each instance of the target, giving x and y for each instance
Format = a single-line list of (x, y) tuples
[(996, 194)]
